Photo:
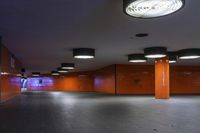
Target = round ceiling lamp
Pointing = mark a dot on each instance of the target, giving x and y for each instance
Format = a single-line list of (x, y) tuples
[(173, 57), (172, 60), (189, 54), (55, 73), (140, 35), (84, 53), (68, 66), (60, 70), (35, 74), (19, 75), (23, 70), (155, 52), (137, 58), (151, 8)]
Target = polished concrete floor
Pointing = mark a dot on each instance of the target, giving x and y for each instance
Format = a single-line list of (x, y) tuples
[(61, 112)]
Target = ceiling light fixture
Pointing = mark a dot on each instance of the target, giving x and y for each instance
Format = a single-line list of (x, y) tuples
[(137, 58), (35, 74), (18, 75), (84, 53), (142, 35), (60, 70), (55, 73), (189, 54), (173, 57), (155, 52), (23, 70), (151, 8), (172, 61), (5, 73), (68, 66)]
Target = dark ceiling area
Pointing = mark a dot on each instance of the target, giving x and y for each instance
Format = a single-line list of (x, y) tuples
[(42, 33)]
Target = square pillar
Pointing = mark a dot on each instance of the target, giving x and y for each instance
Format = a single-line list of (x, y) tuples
[(162, 90)]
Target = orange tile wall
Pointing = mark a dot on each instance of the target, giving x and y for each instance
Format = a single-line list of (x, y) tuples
[(185, 80), (135, 79), (104, 80), (129, 79), (10, 84), (80, 81)]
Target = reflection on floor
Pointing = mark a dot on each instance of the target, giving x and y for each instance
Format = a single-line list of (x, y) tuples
[(62, 112)]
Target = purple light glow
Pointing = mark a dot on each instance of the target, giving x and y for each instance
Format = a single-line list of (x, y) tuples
[(39, 83), (98, 81)]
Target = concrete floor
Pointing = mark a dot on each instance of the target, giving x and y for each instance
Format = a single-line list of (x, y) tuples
[(61, 112)]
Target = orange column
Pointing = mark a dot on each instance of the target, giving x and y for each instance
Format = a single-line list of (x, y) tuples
[(162, 78)]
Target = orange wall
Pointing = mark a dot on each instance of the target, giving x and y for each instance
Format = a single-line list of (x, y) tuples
[(104, 80), (10, 83), (135, 79), (185, 79), (81, 81), (130, 79)]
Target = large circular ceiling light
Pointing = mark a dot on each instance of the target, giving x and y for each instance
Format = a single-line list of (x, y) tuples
[(151, 8)]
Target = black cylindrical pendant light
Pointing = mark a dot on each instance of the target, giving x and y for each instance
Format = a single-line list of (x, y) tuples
[(68, 66), (173, 57), (189, 53), (35, 74), (84, 53), (60, 70), (137, 58), (155, 52), (23, 70), (151, 8), (55, 73)]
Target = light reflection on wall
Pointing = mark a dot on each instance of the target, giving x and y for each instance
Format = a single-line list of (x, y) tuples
[(98, 81), (15, 81), (40, 82), (11, 79)]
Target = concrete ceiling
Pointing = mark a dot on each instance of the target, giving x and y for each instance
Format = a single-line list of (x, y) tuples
[(42, 33)]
